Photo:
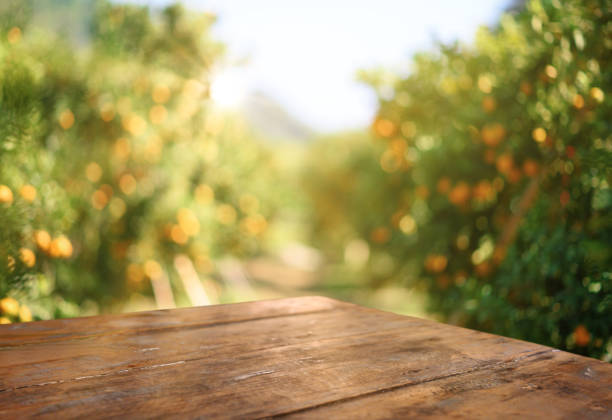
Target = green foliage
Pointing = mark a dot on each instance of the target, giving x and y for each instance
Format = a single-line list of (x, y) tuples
[(113, 163), (492, 189)]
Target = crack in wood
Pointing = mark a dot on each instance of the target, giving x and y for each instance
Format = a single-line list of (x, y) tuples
[(98, 375), (250, 375)]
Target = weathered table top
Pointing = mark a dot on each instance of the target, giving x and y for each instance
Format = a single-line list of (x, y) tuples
[(308, 357)]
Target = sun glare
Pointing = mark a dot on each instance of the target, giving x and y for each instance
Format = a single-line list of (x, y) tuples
[(228, 89)]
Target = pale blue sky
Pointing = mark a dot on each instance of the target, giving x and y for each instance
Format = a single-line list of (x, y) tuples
[(305, 54)]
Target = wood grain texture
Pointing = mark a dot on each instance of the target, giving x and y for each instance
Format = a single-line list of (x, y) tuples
[(309, 357)]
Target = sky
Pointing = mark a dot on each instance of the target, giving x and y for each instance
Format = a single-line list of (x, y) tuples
[(305, 54)]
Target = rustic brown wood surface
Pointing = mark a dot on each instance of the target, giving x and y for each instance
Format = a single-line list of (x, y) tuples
[(309, 357)]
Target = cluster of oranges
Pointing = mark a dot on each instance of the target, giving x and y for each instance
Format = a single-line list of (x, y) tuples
[(27, 192), (437, 264), (491, 135), (188, 225), (394, 158), (58, 247), (12, 311), (461, 192)]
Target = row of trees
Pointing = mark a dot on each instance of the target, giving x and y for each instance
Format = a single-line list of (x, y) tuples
[(115, 172), (487, 183)]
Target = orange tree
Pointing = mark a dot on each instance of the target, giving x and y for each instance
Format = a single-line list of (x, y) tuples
[(495, 172), (504, 149), (113, 163)]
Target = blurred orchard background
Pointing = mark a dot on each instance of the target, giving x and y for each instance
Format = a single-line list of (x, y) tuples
[(442, 160)]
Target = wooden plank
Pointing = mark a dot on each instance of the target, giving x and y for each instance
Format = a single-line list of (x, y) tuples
[(97, 354), (134, 323), (305, 357), (547, 385)]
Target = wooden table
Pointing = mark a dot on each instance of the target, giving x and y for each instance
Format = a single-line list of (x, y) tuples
[(309, 357)]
